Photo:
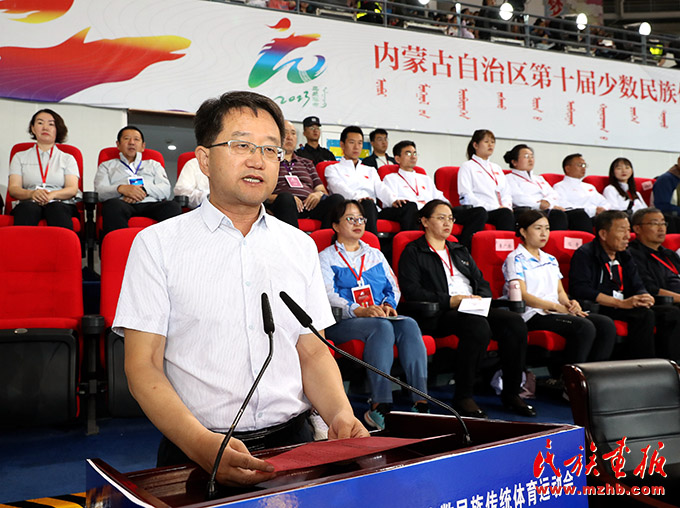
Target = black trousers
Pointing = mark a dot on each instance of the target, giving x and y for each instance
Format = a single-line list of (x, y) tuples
[(579, 220), (502, 218), (297, 430), (474, 333), (116, 213), (28, 213), (473, 219), (667, 337), (285, 209), (640, 340), (589, 339), (406, 215)]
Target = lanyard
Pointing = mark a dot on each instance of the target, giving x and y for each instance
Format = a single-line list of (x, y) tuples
[(409, 185), (47, 167), (133, 171), (611, 276), (448, 265), (361, 270), (534, 182), (288, 166), (495, 180), (668, 265)]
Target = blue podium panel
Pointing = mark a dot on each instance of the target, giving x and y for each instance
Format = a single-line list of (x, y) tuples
[(509, 465)]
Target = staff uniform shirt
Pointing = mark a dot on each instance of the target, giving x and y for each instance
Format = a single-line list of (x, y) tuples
[(61, 164), (115, 172), (339, 279), (577, 194), (304, 170), (378, 162), (655, 274), (405, 185), (196, 280), (589, 276), (618, 202), (192, 183), (482, 183), (528, 189), (540, 275), (357, 182)]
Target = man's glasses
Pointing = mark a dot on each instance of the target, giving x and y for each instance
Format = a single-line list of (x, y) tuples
[(409, 153), (443, 218), (242, 148), (355, 221), (655, 224)]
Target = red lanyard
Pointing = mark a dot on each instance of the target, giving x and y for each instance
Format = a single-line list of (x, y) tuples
[(409, 185), (447, 265), (47, 168), (534, 182), (668, 265), (611, 276), (361, 270), (491, 175)]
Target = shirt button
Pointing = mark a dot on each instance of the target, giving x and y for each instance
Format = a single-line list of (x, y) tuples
[(259, 415), (250, 327), (247, 283)]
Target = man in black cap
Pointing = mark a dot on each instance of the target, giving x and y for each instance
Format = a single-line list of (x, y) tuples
[(312, 150)]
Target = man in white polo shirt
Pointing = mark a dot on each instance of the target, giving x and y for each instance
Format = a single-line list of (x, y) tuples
[(574, 193), (190, 308)]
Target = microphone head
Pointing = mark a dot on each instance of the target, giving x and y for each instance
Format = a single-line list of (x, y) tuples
[(267, 318), (299, 314)]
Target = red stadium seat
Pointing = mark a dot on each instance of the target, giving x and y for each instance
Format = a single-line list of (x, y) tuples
[(322, 238), (562, 245), (446, 180), (553, 178), (645, 186), (112, 153), (183, 159), (41, 308), (115, 249), (78, 222), (597, 181), (672, 241), (401, 240)]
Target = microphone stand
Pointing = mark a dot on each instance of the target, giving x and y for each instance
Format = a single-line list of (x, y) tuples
[(268, 321), (306, 321)]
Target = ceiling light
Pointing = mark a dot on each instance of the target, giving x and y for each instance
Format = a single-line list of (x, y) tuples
[(172, 147), (505, 11)]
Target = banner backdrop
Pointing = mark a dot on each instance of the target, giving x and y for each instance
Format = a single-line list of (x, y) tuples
[(171, 55)]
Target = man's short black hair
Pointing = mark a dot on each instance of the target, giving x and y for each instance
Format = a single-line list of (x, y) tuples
[(209, 117), (604, 220), (129, 128), (567, 160), (374, 133), (396, 150), (347, 130)]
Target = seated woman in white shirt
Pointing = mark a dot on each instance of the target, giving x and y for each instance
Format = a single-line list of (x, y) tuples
[(531, 191), (621, 192), (193, 184), (590, 337), (43, 179), (482, 183)]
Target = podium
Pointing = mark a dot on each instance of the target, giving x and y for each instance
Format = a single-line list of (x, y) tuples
[(499, 469)]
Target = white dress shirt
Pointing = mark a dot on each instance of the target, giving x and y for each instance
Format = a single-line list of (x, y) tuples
[(193, 184), (115, 172), (413, 186), (482, 183), (540, 276), (196, 280), (357, 182), (577, 194), (618, 202), (528, 189)]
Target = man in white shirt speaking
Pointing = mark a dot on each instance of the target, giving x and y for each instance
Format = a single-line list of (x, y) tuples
[(190, 308)]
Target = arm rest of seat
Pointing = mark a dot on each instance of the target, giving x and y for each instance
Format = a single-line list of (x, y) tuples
[(419, 309), (663, 300), (183, 201), (337, 313), (518, 307), (590, 306), (90, 198)]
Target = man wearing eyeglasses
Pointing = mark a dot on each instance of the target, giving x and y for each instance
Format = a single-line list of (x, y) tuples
[(574, 193), (299, 193), (313, 150), (190, 309), (131, 186), (409, 185)]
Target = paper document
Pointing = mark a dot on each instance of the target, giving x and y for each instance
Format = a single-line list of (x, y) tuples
[(477, 306)]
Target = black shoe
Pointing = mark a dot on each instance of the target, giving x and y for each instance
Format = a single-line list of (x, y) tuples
[(469, 408), (515, 404)]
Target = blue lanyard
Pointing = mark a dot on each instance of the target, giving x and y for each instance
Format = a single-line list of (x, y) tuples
[(130, 168)]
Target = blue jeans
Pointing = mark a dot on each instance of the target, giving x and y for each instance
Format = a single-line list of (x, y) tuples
[(380, 336)]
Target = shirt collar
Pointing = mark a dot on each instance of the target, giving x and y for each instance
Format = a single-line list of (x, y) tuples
[(138, 159), (523, 174), (213, 217), (481, 161), (542, 256)]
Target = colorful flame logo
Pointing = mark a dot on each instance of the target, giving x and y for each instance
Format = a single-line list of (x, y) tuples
[(37, 11), (273, 52), (75, 65)]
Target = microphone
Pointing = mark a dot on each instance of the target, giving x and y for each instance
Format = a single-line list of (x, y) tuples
[(268, 324), (306, 321)]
